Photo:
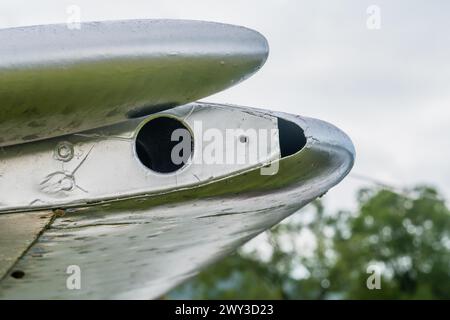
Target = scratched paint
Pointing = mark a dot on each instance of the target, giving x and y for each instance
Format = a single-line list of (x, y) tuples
[(104, 165), (17, 234), (143, 246)]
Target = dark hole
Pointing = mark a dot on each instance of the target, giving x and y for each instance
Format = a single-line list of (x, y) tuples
[(154, 145), (18, 274), (292, 138)]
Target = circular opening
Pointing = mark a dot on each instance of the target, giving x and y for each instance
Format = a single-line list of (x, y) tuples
[(164, 145), (18, 274)]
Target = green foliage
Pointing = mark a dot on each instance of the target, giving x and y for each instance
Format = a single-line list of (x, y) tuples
[(407, 235)]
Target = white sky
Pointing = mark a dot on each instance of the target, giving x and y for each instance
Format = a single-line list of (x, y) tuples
[(387, 88)]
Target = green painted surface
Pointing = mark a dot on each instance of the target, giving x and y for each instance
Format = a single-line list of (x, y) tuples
[(41, 102)]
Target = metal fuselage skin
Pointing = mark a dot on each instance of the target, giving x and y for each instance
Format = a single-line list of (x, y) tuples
[(56, 81), (84, 179), (136, 233)]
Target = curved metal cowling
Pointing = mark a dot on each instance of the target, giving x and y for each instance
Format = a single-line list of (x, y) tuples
[(56, 81), (141, 246), (80, 196)]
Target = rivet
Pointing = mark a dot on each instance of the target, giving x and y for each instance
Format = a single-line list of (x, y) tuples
[(243, 139), (64, 151)]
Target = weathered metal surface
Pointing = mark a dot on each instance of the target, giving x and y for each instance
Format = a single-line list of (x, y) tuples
[(101, 165), (55, 81), (17, 232), (143, 246)]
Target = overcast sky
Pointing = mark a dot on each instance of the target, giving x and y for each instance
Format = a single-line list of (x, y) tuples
[(387, 88)]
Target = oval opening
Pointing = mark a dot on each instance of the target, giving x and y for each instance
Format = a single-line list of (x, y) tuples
[(164, 145), (18, 274), (292, 137)]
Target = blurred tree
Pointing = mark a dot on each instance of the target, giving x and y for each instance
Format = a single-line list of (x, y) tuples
[(404, 236)]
